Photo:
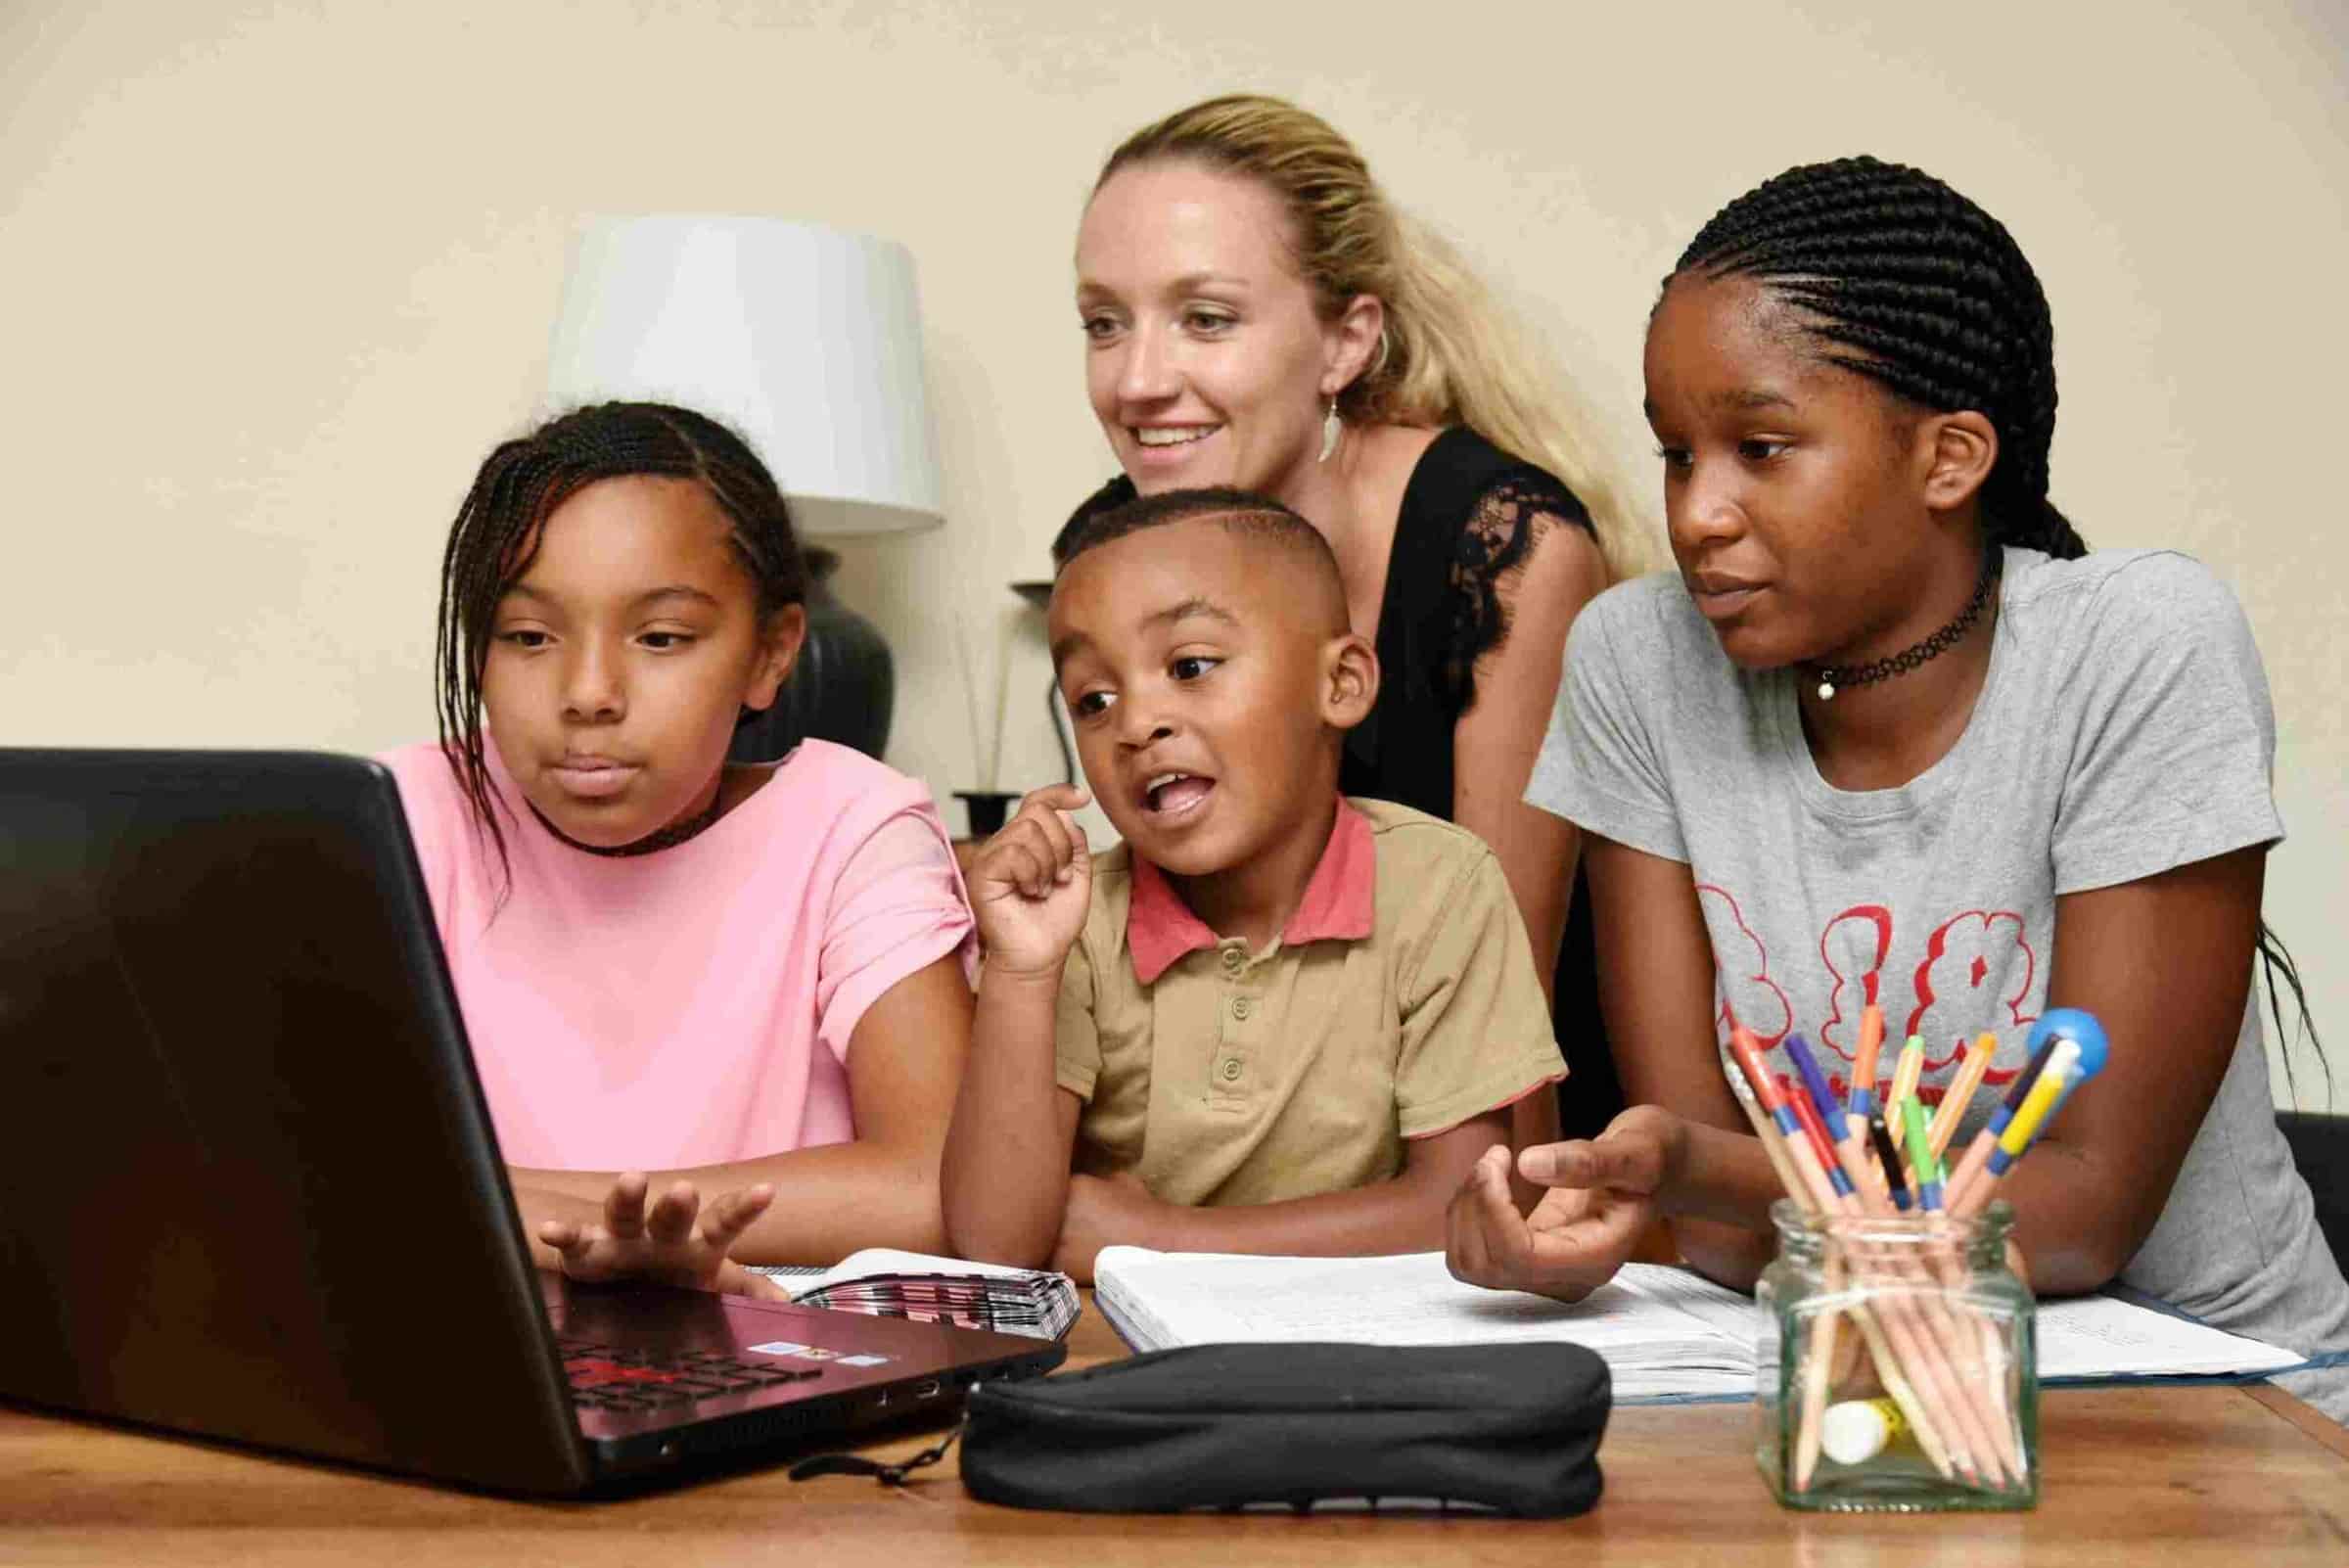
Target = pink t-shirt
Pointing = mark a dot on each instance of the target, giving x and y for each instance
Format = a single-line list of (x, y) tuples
[(692, 1006)]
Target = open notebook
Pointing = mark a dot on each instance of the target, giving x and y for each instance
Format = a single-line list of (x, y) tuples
[(1664, 1333)]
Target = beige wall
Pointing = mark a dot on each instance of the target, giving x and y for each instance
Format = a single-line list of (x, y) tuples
[(273, 277)]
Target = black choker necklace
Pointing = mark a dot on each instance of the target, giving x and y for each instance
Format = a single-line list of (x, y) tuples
[(660, 839), (1832, 679)]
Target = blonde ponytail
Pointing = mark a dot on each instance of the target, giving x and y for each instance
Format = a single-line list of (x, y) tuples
[(1460, 360), (1450, 355)]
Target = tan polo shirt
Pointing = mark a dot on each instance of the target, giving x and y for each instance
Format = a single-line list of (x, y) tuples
[(1399, 1001)]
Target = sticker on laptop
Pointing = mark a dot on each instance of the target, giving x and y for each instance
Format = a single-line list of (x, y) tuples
[(817, 1352)]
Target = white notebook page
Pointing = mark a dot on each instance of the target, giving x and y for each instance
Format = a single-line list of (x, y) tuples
[(1662, 1331)]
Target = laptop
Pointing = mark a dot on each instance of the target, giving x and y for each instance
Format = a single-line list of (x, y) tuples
[(253, 1193)]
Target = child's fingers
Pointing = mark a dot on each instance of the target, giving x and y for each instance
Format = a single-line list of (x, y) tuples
[(1508, 1244), (1055, 797), (1019, 857), (1560, 1207), (1059, 844), (1038, 835), (731, 1214), (1611, 1228), (1470, 1232), (735, 1280), (1078, 862), (1463, 1248), (1553, 1165), (574, 1248), (1032, 812), (624, 1205), (1627, 1162), (672, 1219), (997, 865), (1457, 1240), (1024, 866)]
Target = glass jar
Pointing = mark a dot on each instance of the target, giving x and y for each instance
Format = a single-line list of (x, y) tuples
[(1898, 1371)]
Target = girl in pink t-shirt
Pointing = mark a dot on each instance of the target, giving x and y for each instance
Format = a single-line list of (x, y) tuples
[(744, 979)]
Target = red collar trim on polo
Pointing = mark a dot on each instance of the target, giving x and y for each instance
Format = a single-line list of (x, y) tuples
[(1339, 903)]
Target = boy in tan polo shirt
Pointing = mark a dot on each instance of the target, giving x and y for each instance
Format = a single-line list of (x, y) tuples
[(1272, 1019)]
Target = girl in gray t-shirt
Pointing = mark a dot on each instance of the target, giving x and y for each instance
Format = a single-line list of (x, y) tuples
[(1893, 736)]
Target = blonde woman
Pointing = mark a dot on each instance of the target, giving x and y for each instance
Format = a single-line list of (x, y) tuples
[(1257, 314)]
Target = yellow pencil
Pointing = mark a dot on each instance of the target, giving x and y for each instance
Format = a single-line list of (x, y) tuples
[(1904, 1083)]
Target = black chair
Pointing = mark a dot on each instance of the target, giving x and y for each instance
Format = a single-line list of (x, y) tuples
[(2320, 1149), (842, 689)]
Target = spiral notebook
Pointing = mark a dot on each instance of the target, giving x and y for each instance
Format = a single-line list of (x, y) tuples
[(1664, 1333), (884, 1282)]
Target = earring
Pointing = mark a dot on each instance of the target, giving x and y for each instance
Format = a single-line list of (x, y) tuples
[(1331, 426)]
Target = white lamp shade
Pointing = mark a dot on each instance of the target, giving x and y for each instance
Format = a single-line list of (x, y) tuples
[(807, 339)]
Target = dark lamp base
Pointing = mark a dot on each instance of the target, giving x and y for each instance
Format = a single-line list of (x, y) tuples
[(987, 808)]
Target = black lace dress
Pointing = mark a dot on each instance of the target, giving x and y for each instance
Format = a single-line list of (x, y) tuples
[(1471, 513)]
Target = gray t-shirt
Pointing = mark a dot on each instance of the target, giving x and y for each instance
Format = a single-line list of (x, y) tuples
[(2124, 728)]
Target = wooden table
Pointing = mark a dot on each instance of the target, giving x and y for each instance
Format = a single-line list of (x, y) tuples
[(2166, 1477)]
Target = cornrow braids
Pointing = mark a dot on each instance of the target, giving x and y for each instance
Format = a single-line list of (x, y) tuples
[(1916, 288), (1921, 291), (498, 528)]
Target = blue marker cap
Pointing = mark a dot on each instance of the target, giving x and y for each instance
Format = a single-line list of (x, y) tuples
[(2078, 1026)]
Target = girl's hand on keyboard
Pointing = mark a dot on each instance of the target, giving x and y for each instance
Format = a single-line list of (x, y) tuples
[(679, 1241)]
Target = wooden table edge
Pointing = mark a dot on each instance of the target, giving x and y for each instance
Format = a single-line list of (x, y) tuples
[(2299, 1412)]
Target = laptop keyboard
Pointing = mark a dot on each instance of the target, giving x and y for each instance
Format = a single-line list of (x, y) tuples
[(609, 1377)]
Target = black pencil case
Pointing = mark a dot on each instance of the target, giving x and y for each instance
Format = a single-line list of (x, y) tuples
[(1513, 1429)]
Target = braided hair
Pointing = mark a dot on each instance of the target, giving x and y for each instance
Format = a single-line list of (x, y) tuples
[(1912, 286), (500, 527), (1917, 288)]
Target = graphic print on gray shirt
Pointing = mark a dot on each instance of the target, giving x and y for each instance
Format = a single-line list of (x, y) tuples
[(2123, 729)]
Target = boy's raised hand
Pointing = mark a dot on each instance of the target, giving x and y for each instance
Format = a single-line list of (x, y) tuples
[(1032, 883)]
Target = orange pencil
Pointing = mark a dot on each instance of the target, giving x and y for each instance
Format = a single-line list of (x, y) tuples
[(1961, 1091), (1860, 1103)]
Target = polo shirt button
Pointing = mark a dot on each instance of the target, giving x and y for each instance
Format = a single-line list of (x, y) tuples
[(1232, 961), (1241, 1008), (1231, 1068)]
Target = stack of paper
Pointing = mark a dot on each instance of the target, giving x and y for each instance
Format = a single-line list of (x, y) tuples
[(884, 1282), (1663, 1332)]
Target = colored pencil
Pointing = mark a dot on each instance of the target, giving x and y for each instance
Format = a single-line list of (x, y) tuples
[(1891, 1338), (1978, 1152), (1961, 1090), (2030, 1117), (1862, 1101)]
